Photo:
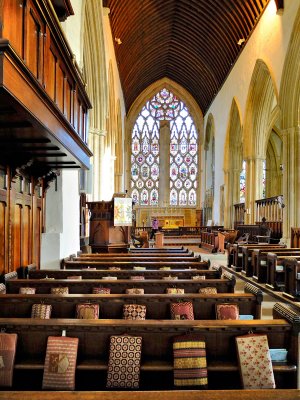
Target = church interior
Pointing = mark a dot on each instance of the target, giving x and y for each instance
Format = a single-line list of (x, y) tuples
[(149, 222)]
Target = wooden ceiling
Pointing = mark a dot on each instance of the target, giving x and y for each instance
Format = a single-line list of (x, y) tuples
[(192, 42)]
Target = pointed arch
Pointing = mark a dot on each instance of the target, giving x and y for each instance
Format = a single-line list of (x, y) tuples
[(233, 160), (262, 98), (179, 91), (209, 167), (289, 98)]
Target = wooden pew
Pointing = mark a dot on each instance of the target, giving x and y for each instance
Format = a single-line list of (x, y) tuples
[(209, 241), (247, 267), (125, 274), (259, 261), (291, 278), (276, 271), (160, 250), (257, 394), (137, 259), (129, 264), (133, 255), (235, 255), (157, 354), (111, 305), (156, 286)]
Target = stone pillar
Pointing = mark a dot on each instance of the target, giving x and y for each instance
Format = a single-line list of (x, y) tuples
[(164, 168), (254, 189), (97, 140), (291, 181)]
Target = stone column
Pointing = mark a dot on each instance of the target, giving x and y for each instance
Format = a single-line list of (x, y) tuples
[(164, 160), (97, 140), (254, 189), (291, 181)]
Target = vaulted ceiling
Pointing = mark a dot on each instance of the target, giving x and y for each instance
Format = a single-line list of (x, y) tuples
[(192, 42)]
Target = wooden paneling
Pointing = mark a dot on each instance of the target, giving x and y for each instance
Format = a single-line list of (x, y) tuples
[(12, 30), (2, 236), (17, 235), (26, 237)]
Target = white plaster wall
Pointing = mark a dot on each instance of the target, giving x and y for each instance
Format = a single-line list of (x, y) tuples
[(72, 29), (61, 236), (268, 42)]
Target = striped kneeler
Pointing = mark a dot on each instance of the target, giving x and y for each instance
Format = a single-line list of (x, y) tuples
[(60, 363), (8, 343), (190, 368), (124, 362)]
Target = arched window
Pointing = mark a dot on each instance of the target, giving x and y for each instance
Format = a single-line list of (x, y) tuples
[(146, 157), (243, 183)]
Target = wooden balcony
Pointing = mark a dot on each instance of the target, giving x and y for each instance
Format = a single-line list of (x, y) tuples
[(43, 102)]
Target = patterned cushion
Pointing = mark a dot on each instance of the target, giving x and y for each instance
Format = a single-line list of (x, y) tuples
[(8, 343), (2, 288), (256, 372), (208, 290), (227, 311), (139, 268), (134, 311), (114, 268), (174, 291), (60, 290), (110, 278), (199, 277), (135, 291), (74, 277), (137, 278), (190, 368), (27, 290), (42, 311), (182, 310), (101, 290), (60, 363), (165, 268), (87, 311), (170, 278), (124, 362)]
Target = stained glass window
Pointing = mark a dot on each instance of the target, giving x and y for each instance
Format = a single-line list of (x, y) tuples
[(264, 180), (243, 183), (145, 155), (183, 159)]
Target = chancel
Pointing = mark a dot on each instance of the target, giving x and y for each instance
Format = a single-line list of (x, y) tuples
[(149, 213)]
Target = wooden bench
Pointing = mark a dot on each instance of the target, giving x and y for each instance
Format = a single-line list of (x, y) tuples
[(156, 286), (257, 394), (111, 305), (209, 241), (259, 261), (133, 255), (276, 270), (125, 274), (136, 259), (181, 249), (129, 264), (235, 255), (247, 267), (157, 353), (291, 278)]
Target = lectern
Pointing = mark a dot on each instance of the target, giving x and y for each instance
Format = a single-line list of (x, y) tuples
[(107, 232)]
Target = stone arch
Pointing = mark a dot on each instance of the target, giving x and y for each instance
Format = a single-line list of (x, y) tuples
[(233, 160), (94, 70), (142, 99), (261, 100), (179, 91)]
